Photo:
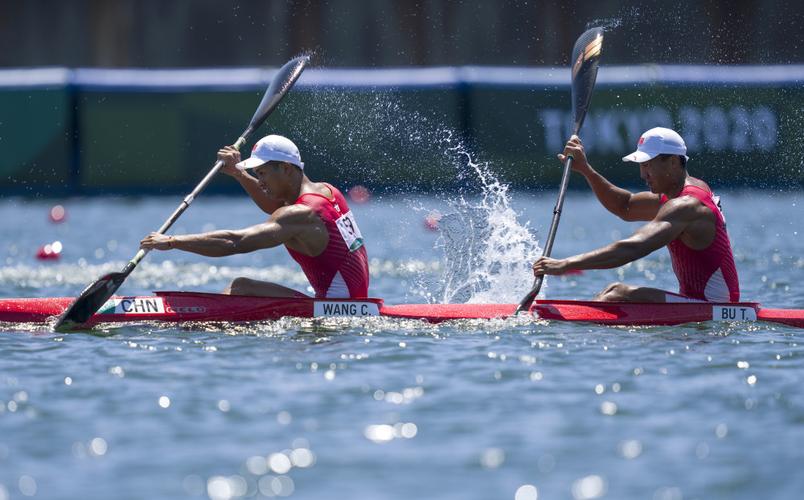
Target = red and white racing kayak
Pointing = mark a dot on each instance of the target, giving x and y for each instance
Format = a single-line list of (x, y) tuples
[(195, 306)]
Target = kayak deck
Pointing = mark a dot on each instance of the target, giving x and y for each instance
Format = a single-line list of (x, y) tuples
[(198, 306)]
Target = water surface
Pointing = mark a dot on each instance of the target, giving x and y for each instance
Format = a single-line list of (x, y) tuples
[(381, 409)]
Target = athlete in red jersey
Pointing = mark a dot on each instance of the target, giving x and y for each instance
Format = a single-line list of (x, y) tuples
[(312, 220), (683, 215), (341, 270)]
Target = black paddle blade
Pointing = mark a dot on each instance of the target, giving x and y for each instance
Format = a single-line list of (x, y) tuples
[(585, 59), (90, 300), (526, 302), (280, 85)]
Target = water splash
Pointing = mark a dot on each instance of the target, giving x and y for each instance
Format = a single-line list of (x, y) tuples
[(487, 252)]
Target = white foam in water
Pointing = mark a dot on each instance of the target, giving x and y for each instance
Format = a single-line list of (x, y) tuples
[(487, 252)]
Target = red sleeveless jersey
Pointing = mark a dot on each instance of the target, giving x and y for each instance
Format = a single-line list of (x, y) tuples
[(337, 256), (708, 274)]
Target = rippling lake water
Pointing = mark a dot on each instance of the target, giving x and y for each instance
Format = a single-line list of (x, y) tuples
[(381, 409)]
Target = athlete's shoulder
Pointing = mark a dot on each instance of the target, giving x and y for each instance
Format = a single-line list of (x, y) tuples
[(694, 182), (681, 208), (322, 188), (292, 213)]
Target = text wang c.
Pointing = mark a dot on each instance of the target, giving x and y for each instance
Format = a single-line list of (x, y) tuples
[(345, 308)]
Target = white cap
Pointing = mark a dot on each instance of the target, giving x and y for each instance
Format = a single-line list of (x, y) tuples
[(272, 148), (655, 142)]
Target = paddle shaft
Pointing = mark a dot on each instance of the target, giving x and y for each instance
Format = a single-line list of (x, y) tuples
[(585, 57), (551, 234), (184, 205)]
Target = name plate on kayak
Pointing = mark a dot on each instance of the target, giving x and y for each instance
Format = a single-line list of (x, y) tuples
[(343, 308), (133, 306), (734, 313)]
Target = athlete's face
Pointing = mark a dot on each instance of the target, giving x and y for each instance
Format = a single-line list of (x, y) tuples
[(269, 178), (659, 173)]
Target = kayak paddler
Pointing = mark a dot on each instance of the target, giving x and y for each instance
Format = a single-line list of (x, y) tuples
[(311, 219), (682, 213)]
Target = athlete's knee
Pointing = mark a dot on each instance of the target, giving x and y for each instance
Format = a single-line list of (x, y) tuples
[(614, 292), (239, 286)]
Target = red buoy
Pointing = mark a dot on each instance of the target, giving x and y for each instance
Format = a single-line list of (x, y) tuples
[(359, 194), (58, 214), (50, 251), (432, 219)]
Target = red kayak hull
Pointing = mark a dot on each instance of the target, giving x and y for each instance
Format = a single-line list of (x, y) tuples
[(605, 313), (195, 306), (187, 306)]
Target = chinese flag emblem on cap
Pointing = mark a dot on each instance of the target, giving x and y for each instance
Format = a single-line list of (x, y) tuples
[(641, 141)]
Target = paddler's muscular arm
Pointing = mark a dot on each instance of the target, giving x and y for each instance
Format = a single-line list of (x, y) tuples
[(250, 184), (284, 225), (672, 219), (621, 202)]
